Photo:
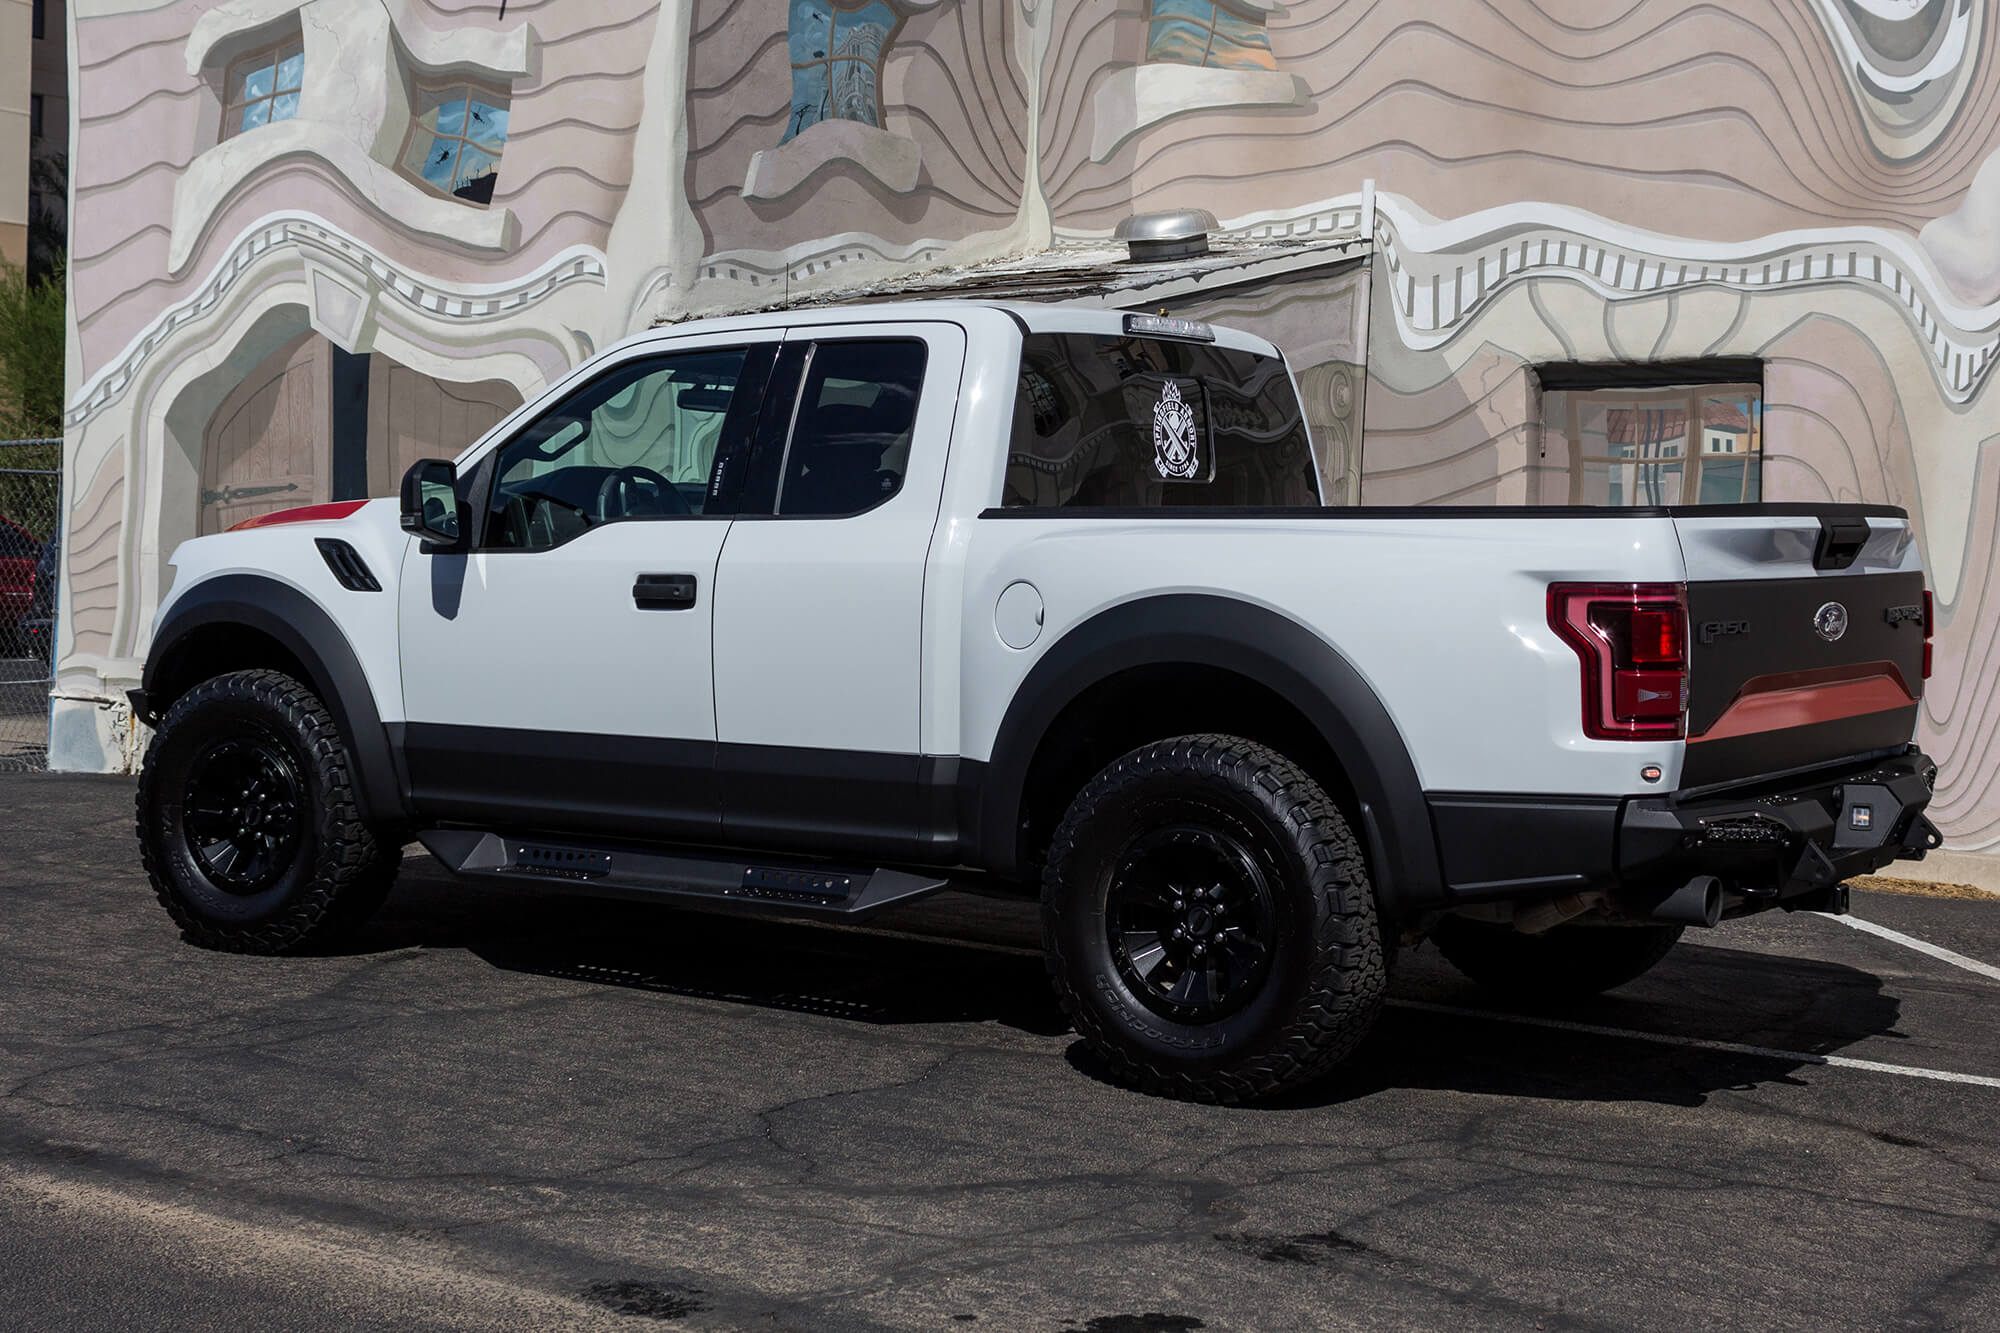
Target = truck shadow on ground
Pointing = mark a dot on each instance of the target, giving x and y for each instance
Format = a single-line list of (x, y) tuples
[(807, 967), (967, 965)]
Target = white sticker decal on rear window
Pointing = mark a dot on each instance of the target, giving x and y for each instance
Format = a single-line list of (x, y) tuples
[(1173, 436)]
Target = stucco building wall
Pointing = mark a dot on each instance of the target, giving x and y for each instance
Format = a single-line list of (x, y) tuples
[(1796, 181)]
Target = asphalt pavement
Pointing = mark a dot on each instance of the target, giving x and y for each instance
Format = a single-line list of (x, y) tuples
[(514, 1110)]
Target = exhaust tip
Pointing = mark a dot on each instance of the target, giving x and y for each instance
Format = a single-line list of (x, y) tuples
[(1695, 903)]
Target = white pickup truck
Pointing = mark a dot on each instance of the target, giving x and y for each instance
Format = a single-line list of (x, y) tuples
[(813, 612)]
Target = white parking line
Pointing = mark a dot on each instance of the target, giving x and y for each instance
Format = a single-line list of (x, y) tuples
[(1701, 1043), (1973, 965)]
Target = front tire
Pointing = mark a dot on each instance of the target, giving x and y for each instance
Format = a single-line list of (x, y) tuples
[(1209, 924), (1570, 962), (247, 819)]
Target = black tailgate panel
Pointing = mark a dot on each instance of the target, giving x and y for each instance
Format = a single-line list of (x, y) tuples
[(1741, 631)]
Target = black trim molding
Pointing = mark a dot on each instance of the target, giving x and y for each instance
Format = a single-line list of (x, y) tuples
[(297, 624), (1560, 375), (1225, 634)]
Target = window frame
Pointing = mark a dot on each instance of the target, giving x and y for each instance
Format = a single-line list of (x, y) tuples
[(1693, 455), (480, 480), (276, 51), (490, 93)]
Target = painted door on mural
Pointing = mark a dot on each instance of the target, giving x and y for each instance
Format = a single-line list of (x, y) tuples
[(266, 447), (412, 416)]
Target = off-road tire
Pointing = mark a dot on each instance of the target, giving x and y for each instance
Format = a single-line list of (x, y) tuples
[(1570, 962), (1327, 968), (339, 869)]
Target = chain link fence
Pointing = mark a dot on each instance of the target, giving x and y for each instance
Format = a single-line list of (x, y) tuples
[(30, 542)]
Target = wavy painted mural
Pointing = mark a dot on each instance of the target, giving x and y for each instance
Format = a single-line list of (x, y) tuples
[(470, 198)]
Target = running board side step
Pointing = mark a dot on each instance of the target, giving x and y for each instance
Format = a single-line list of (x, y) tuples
[(764, 887)]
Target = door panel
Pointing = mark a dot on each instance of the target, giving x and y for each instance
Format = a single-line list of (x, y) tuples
[(547, 680), (818, 629), (265, 449)]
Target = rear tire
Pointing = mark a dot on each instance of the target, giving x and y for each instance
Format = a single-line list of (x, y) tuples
[(248, 823), (1209, 924), (1566, 963)]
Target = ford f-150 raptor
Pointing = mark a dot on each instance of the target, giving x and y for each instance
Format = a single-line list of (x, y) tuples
[(814, 612)]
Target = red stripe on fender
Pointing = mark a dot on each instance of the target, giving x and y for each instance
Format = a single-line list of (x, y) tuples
[(303, 514), (1801, 698)]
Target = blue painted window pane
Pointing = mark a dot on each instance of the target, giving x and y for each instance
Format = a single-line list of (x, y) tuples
[(292, 70), (487, 125), (1205, 32), (473, 162), (449, 118), (441, 163), (836, 62), (257, 113), (257, 83), (284, 106)]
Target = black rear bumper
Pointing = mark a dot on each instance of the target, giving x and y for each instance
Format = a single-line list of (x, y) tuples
[(1796, 838), (1780, 842)]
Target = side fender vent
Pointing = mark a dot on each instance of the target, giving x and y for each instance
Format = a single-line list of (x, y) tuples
[(347, 565)]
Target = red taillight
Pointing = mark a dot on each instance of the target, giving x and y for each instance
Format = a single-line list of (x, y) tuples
[(1930, 623), (1656, 637), (1632, 640)]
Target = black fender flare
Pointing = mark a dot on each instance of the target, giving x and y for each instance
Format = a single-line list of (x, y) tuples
[(1232, 635), (304, 630)]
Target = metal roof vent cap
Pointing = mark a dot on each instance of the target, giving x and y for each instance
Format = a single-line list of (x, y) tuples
[(1176, 235)]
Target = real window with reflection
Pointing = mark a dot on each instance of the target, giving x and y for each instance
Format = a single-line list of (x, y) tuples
[(1211, 33), (836, 50), (263, 86), (1698, 444), (457, 131), (638, 442)]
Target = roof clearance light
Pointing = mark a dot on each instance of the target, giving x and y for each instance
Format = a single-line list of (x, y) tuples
[(1166, 326)]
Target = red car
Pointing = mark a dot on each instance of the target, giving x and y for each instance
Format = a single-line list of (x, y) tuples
[(19, 551)]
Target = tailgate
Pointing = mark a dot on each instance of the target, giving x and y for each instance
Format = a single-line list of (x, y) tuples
[(1806, 628)]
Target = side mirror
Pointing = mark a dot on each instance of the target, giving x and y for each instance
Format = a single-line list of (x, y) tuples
[(430, 503)]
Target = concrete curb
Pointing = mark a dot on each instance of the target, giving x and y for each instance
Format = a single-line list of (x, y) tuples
[(1980, 869)]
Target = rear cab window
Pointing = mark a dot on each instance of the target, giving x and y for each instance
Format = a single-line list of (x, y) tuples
[(1116, 421)]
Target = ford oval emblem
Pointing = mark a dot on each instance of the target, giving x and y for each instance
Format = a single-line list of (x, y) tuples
[(1830, 621)]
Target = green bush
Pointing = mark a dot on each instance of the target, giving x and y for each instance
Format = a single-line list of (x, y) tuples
[(31, 354)]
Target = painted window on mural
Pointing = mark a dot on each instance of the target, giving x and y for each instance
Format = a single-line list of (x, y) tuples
[(837, 48), (263, 86), (1677, 446), (456, 133), (1211, 33)]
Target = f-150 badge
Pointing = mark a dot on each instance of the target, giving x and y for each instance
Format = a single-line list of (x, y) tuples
[(1173, 436)]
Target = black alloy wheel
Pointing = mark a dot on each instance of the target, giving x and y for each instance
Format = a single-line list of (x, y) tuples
[(1192, 922), (242, 812)]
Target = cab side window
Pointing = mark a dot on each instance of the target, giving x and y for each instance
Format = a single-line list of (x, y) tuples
[(851, 431), (639, 442)]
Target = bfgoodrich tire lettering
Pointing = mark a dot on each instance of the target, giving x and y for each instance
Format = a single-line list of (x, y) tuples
[(1168, 837), (247, 821)]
